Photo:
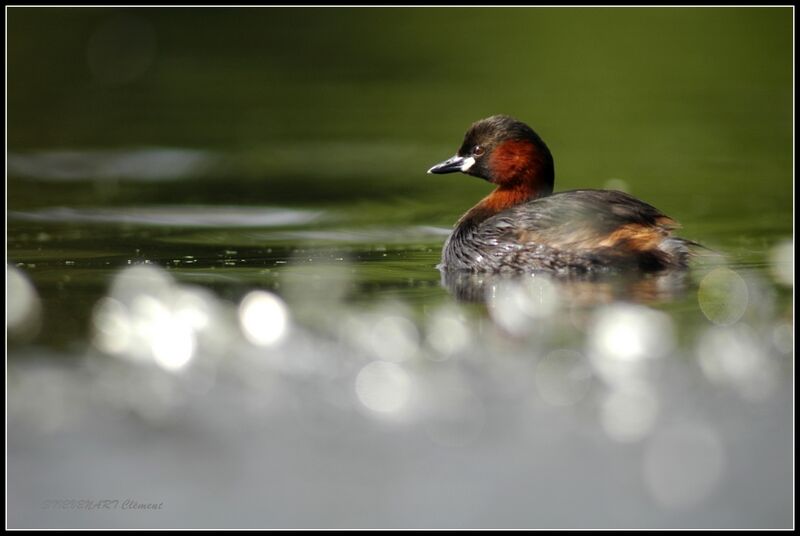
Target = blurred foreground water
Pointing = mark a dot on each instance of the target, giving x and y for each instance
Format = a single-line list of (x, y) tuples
[(309, 410)]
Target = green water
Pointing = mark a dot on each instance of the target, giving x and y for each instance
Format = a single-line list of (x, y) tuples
[(343, 110), (278, 149)]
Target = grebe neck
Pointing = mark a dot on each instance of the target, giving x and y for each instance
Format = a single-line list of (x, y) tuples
[(502, 198)]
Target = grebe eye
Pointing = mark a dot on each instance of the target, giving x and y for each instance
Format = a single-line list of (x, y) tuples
[(477, 150)]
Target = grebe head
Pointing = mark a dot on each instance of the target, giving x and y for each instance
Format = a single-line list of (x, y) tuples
[(505, 152)]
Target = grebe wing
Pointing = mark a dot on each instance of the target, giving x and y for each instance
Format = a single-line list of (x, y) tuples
[(582, 219)]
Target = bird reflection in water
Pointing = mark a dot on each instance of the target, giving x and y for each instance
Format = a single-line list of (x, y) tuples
[(577, 289)]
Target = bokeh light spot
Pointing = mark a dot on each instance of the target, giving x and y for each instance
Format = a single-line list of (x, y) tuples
[(517, 304), (264, 318), (448, 333), (383, 387), (394, 338), (624, 339), (23, 309), (723, 296), (735, 356), (112, 326), (781, 258)]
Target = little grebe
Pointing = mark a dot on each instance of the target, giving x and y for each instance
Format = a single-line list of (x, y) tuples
[(523, 226)]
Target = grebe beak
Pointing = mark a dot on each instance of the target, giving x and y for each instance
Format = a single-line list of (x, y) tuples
[(451, 165)]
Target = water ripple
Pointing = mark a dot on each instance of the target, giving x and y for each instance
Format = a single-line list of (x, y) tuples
[(147, 164), (190, 216)]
